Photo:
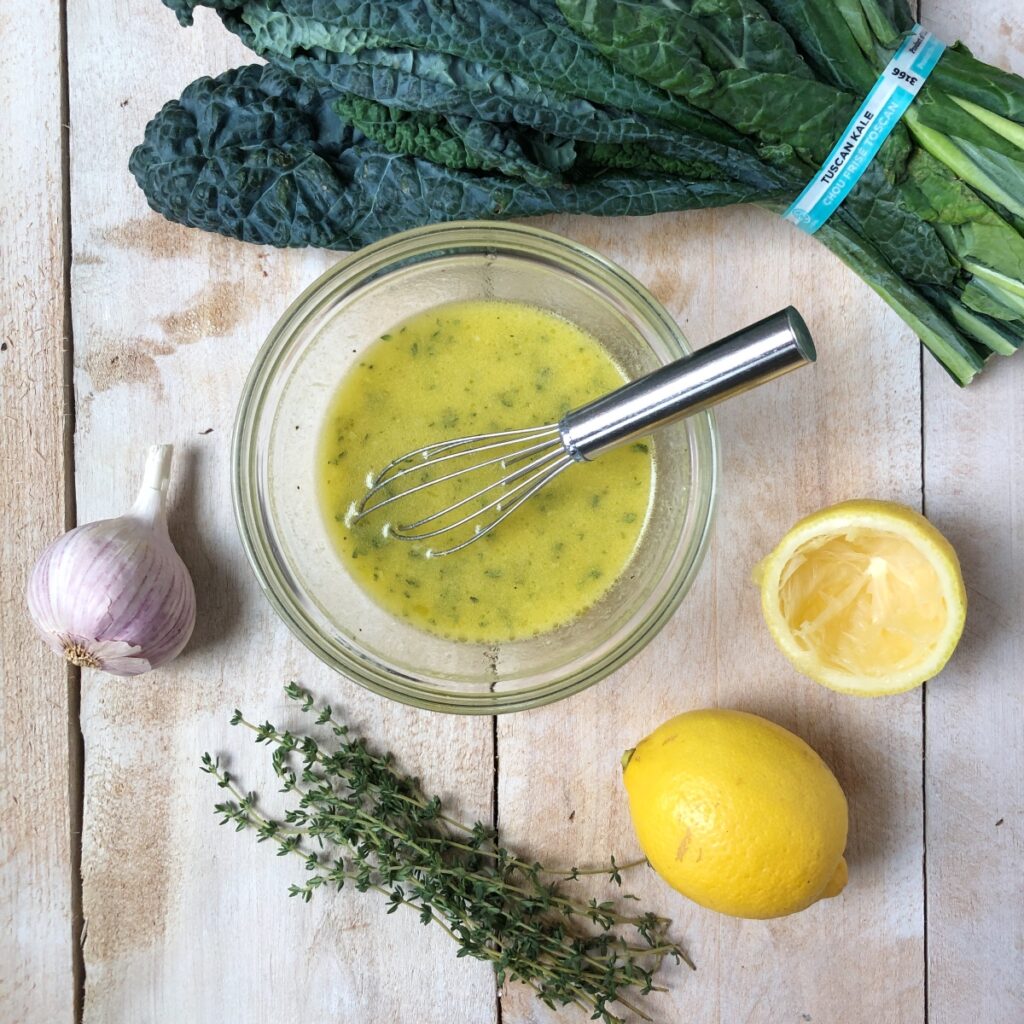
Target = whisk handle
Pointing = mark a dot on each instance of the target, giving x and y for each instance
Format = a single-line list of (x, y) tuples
[(728, 367)]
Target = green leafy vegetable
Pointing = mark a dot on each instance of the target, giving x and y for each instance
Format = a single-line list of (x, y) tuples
[(262, 156), (358, 821), (372, 117)]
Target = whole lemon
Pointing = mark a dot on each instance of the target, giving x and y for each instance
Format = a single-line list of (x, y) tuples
[(737, 813)]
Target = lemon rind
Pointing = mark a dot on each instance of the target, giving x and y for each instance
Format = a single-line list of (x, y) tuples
[(859, 514)]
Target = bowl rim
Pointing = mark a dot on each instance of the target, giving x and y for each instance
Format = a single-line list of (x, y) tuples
[(392, 252)]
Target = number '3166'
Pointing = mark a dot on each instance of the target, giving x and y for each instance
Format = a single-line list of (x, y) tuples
[(903, 76)]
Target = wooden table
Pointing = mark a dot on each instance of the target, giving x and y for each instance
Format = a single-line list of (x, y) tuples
[(120, 896)]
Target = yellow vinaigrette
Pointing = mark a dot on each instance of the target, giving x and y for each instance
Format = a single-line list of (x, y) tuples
[(467, 368)]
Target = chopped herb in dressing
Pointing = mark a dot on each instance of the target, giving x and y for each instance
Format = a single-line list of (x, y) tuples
[(474, 367)]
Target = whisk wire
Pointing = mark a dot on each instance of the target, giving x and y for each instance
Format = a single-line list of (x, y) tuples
[(545, 477), (425, 453), (689, 385), (536, 467), (548, 440)]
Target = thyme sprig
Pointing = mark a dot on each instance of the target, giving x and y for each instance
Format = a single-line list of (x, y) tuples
[(360, 821)]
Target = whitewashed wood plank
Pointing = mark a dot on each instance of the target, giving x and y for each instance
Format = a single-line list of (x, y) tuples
[(974, 798), (187, 921), (37, 940), (850, 427)]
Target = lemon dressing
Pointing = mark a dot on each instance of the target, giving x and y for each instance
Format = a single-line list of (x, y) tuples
[(474, 367)]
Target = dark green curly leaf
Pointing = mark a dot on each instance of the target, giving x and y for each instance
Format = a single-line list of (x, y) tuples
[(508, 35), (458, 142), (261, 156), (828, 44), (436, 84)]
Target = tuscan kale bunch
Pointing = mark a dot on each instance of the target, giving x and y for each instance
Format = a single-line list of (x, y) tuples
[(373, 117)]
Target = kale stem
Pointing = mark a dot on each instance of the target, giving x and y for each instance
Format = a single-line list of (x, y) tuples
[(946, 151), (938, 334)]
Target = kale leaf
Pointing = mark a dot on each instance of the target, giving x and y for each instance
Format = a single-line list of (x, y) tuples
[(263, 156), (377, 115)]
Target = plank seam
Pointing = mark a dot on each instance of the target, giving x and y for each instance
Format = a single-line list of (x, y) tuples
[(924, 693), (924, 736), (76, 742), (494, 819)]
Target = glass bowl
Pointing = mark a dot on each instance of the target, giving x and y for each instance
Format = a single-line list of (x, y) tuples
[(283, 407)]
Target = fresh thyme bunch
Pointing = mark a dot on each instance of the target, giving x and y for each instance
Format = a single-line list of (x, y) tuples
[(361, 821)]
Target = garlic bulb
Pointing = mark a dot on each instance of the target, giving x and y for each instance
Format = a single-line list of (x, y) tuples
[(114, 594)]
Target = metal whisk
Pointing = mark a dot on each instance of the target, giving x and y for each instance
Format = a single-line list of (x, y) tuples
[(518, 463)]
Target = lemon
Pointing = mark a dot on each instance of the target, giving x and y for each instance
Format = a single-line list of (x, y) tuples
[(737, 813), (865, 597)]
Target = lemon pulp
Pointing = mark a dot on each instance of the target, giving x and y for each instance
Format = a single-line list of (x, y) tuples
[(864, 597), (868, 601)]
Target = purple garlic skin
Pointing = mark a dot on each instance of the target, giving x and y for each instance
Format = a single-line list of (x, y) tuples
[(114, 594)]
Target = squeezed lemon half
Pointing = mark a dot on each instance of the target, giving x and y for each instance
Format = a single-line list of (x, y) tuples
[(865, 597)]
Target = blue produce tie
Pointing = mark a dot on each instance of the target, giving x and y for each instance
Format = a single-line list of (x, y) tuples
[(887, 102)]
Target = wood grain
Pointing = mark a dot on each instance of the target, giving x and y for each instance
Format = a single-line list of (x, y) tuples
[(37, 940), (974, 798), (850, 427), (188, 921)]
